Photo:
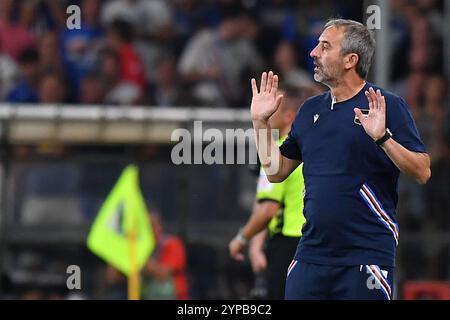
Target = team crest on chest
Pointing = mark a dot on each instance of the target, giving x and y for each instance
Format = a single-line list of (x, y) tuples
[(365, 112)]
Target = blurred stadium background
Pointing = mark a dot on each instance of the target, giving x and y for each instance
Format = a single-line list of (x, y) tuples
[(78, 105)]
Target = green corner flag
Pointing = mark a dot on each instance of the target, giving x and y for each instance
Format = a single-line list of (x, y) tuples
[(123, 216)]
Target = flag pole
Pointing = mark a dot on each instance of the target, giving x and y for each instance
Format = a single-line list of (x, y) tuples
[(133, 277)]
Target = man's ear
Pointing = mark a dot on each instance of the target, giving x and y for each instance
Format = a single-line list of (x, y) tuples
[(350, 60)]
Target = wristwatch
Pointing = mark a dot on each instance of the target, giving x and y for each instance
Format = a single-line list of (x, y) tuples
[(383, 139)]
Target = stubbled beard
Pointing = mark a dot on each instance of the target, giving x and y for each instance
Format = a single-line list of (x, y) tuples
[(325, 79)]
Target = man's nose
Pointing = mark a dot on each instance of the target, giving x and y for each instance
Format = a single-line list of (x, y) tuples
[(313, 53)]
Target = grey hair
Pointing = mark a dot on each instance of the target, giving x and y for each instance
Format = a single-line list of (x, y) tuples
[(357, 39)]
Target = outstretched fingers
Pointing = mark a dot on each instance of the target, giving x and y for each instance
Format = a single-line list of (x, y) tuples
[(269, 81), (254, 87), (274, 87), (381, 101), (371, 97), (262, 88), (375, 101)]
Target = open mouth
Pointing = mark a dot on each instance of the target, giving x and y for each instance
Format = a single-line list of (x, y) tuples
[(316, 66)]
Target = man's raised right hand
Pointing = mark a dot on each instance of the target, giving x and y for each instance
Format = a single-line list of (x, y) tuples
[(266, 101)]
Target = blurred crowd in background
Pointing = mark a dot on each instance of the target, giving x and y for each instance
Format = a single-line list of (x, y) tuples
[(155, 52), (203, 53)]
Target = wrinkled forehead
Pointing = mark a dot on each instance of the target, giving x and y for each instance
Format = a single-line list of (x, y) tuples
[(332, 35)]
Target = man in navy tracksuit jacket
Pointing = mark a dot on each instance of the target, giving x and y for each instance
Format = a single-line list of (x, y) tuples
[(353, 141)]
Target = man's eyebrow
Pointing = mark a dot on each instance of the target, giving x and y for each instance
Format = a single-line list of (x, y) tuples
[(324, 41)]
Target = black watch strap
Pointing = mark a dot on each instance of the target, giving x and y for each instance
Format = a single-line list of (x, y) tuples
[(383, 139)]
